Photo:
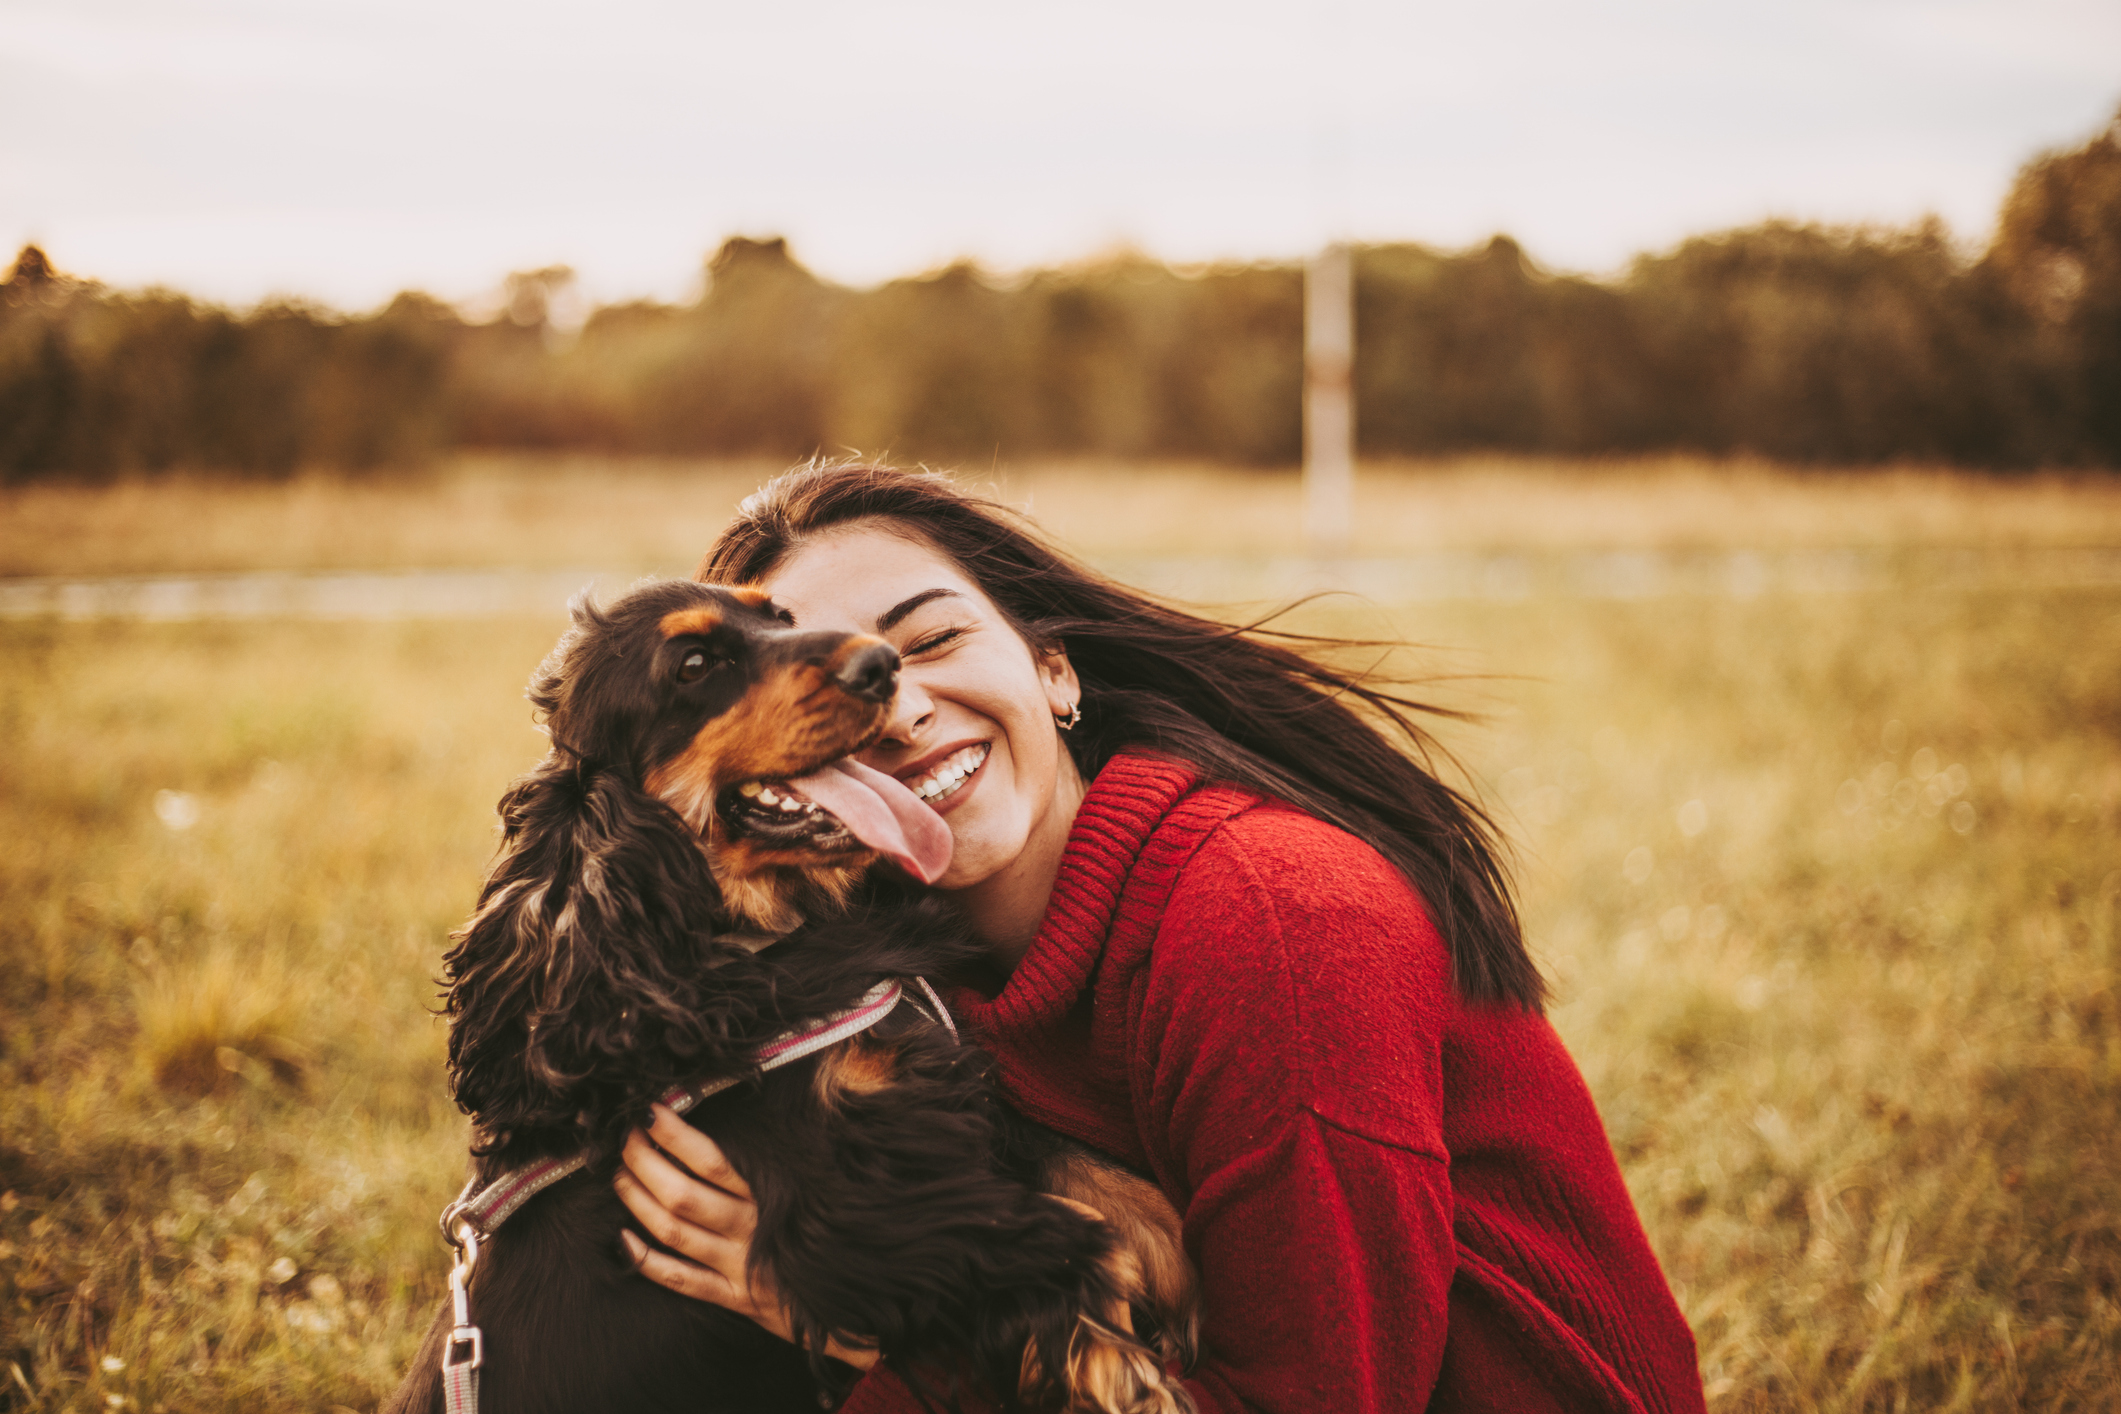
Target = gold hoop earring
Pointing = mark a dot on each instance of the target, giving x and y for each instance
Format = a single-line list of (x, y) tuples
[(1067, 723)]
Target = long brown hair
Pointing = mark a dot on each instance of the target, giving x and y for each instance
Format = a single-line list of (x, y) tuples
[(1239, 702)]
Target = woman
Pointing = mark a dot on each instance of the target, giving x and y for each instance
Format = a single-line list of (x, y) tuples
[(1240, 941)]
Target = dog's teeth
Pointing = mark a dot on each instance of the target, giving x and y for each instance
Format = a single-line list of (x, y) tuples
[(751, 790), (790, 804), (767, 797)]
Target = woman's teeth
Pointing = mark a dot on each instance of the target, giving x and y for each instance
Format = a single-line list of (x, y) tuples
[(950, 773)]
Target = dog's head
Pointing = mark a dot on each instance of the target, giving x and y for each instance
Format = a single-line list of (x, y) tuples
[(711, 700), (699, 787)]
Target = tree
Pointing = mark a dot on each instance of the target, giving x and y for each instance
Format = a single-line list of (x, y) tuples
[(2058, 252)]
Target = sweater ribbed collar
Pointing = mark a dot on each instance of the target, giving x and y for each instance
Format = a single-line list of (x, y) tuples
[(1131, 797)]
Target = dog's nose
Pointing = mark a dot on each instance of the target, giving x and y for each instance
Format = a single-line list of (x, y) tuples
[(872, 673)]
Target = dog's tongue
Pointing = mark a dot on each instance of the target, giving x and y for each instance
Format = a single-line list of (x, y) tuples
[(883, 815)]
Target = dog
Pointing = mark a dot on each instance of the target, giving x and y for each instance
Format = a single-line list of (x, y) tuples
[(696, 869)]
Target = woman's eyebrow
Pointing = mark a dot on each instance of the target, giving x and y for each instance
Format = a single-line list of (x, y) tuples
[(892, 615)]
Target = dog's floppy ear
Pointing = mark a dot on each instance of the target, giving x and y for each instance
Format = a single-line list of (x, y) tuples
[(589, 979)]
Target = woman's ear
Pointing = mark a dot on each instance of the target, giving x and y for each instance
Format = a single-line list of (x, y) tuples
[(1064, 691)]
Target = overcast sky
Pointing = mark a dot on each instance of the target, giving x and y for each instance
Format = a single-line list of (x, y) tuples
[(343, 149)]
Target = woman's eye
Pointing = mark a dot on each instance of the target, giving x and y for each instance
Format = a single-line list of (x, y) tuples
[(934, 641), (693, 667)]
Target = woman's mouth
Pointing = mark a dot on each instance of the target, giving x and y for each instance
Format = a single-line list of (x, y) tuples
[(948, 776)]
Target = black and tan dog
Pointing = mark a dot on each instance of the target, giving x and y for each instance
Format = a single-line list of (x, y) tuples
[(697, 802)]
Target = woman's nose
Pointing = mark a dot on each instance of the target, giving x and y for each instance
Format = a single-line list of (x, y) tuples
[(910, 709)]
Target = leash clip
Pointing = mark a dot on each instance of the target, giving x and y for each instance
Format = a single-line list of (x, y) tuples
[(460, 1275), (465, 1337)]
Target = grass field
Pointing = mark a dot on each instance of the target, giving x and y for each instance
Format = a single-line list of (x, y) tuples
[(1828, 885), (570, 512)]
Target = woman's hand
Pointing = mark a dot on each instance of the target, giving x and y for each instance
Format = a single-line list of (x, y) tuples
[(704, 1212)]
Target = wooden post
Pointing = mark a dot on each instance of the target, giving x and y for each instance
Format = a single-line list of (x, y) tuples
[(1329, 399)]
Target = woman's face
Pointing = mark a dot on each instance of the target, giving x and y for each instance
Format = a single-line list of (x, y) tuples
[(972, 730)]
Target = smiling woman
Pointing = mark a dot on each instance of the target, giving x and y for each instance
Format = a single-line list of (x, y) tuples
[(972, 730), (1237, 940)]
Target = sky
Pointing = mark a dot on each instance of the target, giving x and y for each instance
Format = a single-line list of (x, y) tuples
[(341, 150)]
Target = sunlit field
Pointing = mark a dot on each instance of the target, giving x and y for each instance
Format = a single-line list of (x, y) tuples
[(656, 516), (1827, 884)]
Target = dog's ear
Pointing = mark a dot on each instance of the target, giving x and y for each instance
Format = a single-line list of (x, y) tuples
[(589, 979)]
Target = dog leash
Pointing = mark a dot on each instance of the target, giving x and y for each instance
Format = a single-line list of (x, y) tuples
[(477, 1212)]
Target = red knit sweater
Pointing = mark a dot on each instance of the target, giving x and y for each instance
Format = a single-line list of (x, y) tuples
[(1396, 1201)]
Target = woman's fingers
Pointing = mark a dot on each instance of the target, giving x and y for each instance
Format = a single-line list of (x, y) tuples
[(711, 1205), (707, 1225), (712, 1268), (710, 1247), (685, 1278), (695, 1151)]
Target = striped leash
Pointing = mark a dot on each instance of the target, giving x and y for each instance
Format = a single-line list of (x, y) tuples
[(476, 1213)]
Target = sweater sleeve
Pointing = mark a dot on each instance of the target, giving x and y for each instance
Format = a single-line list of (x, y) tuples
[(1288, 1076)]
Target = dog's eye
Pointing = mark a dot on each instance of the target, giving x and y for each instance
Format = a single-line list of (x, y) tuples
[(694, 666)]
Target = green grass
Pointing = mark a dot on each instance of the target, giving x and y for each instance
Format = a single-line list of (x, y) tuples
[(1859, 1049)]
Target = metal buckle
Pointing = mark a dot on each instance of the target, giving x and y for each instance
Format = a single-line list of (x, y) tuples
[(456, 1228), (464, 1336)]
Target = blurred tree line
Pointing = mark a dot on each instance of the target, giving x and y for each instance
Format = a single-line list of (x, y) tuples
[(1796, 342)]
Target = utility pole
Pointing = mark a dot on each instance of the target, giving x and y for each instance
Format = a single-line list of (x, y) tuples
[(1329, 398)]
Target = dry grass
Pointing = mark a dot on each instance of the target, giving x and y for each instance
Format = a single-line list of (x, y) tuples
[(1829, 889), (223, 1124), (1477, 503), (1858, 1047), (640, 515), (208, 1023), (548, 513)]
